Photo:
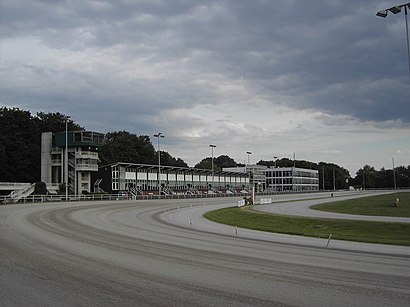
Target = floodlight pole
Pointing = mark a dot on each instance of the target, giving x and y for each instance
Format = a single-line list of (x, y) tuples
[(249, 178), (407, 35), (396, 10), (275, 158), (212, 163), (159, 135), (66, 160), (394, 182)]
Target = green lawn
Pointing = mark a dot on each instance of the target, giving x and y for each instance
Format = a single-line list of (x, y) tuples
[(373, 232), (383, 205)]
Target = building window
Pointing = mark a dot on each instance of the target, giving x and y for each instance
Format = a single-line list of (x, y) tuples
[(115, 173)]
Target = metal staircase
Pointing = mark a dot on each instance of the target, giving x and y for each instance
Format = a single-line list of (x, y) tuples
[(193, 191), (97, 188), (136, 191), (167, 191), (16, 195)]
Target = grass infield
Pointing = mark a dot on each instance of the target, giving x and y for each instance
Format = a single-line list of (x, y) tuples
[(382, 205), (361, 231)]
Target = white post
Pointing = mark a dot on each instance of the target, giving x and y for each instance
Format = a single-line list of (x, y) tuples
[(212, 163), (328, 241), (159, 135), (249, 174), (66, 160)]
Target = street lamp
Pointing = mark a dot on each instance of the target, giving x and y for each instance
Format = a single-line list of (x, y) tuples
[(66, 161), (159, 135), (275, 158), (212, 162), (395, 186), (395, 10), (249, 153)]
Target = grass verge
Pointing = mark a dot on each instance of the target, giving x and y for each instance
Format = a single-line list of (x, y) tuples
[(381, 205), (361, 231)]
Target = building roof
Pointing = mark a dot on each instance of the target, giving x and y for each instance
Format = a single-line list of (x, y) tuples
[(167, 167)]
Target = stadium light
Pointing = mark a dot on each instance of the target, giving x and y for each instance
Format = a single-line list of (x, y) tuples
[(395, 10), (159, 135), (212, 162)]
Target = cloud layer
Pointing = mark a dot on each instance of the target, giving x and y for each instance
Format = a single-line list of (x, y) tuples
[(325, 79)]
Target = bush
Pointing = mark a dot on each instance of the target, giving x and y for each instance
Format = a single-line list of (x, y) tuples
[(40, 188)]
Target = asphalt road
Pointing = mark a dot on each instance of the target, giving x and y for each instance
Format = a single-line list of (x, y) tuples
[(302, 207), (146, 253)]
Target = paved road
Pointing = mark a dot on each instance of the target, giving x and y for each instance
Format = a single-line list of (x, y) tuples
[(301, 207), (136, 254)]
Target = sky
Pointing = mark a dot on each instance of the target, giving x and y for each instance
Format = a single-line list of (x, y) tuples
[(326, 80)]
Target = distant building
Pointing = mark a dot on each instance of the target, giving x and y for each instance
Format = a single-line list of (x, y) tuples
[(278, 179), (292, 179), (143, 179), (256, 174), (82, 160)]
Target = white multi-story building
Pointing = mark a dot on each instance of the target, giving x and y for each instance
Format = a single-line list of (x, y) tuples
[(292, 179), (278, 179), (74, 160)]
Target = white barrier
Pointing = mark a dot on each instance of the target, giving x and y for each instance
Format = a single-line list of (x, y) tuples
[(265, 201), (241, 203)]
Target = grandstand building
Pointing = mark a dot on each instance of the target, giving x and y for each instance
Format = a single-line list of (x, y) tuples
[(143, 179)]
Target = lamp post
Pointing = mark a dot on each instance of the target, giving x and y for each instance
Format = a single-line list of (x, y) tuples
[(66, 161), (395, 186), (212, 163), (249, 153), (275, 158), (395, 10), (159, 135)]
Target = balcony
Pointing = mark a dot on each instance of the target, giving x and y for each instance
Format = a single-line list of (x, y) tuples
[(87, 167), (56, 162), (87, 155)]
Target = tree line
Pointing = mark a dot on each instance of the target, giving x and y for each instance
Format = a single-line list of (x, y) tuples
[(20, 154), (20, 144)]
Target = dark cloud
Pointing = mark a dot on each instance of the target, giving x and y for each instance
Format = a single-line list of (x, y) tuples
[(336, 57), (333, 56)]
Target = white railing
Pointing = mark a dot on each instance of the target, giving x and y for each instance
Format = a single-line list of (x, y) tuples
[(87, 167), (87, 155), (12, 185), (125, 196)]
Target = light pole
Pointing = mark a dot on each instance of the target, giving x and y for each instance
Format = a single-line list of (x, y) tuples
[(212, 163), (249, 153), (396, 10), (394, 182), (159, 135), (275, 158), (66, 161)]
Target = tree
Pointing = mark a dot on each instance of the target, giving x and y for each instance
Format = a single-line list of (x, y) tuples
[(225, 161), (403, 176), (123, 146), (20, 142), (19, 151), (205, 163), (366, 178), (219, 163), (55, 122), (167, 159)]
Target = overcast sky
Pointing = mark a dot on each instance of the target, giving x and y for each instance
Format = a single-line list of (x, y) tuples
[(325, 79)]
